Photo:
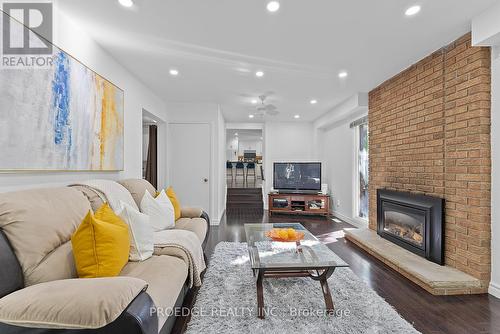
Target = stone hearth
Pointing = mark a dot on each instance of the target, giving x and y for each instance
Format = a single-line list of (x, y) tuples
[(436, 279)]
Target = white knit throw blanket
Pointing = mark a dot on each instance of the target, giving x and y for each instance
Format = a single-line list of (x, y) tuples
[(111, 192), (184, 245)]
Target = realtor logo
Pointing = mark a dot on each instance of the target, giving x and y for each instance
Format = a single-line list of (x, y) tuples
[(23, 25), (26, 35)]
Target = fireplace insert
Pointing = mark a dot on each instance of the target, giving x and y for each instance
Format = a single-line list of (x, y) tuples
[(414, 222)]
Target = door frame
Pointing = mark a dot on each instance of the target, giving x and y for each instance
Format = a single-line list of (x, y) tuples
[(211, 171), (162, 147)]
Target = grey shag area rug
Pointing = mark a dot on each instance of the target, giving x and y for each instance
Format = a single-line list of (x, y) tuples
[(227, 302)]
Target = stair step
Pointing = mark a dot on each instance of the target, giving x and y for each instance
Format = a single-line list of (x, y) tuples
[(244, 191), (243, 201), (244, 205), (244, 198), (244, 194), (250, 197)]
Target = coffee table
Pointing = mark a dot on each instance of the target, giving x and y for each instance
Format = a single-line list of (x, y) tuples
[(306, 258)]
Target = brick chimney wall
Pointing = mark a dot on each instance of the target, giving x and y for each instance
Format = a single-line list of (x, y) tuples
[(430, 133)]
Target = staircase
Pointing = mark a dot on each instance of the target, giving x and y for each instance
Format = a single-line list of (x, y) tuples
[(244, 198)]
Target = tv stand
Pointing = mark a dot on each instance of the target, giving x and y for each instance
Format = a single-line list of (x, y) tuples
[(299, 204)]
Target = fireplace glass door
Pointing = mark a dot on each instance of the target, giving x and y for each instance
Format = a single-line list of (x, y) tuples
[(405, 223)]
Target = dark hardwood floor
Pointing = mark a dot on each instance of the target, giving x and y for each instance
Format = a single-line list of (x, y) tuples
[(475, 314)]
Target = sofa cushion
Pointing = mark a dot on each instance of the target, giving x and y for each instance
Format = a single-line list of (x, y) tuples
[(175, 202), (141, 233), (101, 244), (39, 224), (196, 225), (71, 303), (137, 187), (160, 211), (93, 197), (191, 212), (165, 276)]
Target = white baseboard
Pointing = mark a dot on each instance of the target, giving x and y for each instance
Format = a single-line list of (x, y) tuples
[(216, 222), (494, 290), (349, 220)]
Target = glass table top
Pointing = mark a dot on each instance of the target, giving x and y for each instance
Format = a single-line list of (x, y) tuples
[(268, 254)]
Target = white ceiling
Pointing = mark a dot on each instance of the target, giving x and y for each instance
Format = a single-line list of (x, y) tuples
[(217, 45)]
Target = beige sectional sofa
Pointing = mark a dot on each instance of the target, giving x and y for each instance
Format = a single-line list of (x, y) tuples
[(39, 288)]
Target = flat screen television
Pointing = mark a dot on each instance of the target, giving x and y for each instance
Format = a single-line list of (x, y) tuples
[(297, 176)]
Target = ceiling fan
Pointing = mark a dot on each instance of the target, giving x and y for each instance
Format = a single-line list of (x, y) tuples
[(266, 109)]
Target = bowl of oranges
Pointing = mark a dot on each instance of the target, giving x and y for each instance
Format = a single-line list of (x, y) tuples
[(285, 234)]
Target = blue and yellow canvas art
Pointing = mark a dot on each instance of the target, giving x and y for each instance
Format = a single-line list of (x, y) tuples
[(63, 117)]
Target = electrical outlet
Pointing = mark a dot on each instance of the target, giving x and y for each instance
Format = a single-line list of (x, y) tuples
[(338, 202)]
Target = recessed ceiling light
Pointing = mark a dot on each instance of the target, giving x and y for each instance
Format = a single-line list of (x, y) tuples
[(296, 116), (412, 10), (174, 72), (342, 74), (250, 116), (259, 74), (126, 3), (254, 101), (314, 101), (273, 6)]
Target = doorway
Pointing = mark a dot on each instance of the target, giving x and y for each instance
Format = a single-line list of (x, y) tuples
[(190, 161), (154, 142), (150, 150), (244, 158), (244, 169)]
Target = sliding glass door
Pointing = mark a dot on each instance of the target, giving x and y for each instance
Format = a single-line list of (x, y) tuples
[(362, 198)]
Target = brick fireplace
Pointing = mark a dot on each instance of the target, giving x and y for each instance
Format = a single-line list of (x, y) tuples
[(430, 134)]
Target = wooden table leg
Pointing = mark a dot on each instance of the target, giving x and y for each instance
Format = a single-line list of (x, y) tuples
[(330, 307), (322, 277), (260, 295)]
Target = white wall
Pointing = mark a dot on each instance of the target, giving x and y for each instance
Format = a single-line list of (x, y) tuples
[(231, 147), (495, 177), (486, 32), (486, 27), (145, 143), (336, 143), (337, 154), (250, 144), (245, 126), (211, 114), (73, 40), (222, 186), (286, 141)]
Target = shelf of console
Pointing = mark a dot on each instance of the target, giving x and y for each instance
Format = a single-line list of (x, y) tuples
[(299, 204)]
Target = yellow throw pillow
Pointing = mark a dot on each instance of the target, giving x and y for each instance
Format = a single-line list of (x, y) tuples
[(101, 244), (175, 202)]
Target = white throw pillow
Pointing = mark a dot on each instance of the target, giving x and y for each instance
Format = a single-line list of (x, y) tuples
[(160, 211), (141, 232)]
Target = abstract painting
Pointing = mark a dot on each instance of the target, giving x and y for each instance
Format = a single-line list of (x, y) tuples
[(64, 117)]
